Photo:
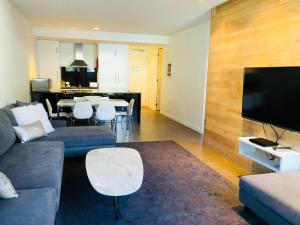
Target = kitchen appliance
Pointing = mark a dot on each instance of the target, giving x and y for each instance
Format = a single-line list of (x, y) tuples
[(79, 62), (40, 84)]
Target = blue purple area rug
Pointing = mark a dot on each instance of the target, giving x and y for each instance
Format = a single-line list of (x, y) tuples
[(178, 189)]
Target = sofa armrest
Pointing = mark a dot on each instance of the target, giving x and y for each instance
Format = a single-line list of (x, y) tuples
[(58, 123)]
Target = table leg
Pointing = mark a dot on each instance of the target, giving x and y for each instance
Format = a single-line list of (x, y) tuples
[(117, 207)]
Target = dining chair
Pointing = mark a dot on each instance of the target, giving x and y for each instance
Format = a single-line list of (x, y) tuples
[(106, 112), (55, 115), (82, 111), (127, 114)]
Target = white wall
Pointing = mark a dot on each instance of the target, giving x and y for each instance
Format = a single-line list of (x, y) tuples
[(17, 55), (183, 94)]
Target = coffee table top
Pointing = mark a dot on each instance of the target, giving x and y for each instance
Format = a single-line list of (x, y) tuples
[(115, 171)]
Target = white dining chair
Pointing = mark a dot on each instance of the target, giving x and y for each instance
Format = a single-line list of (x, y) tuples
[(127, 114), (106, 112), (55, 115), (83, 111)]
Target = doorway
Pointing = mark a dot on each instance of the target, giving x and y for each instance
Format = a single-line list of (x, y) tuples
[(159, 77), (145, 73)]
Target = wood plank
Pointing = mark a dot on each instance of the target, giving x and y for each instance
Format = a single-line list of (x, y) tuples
[(246, 33)]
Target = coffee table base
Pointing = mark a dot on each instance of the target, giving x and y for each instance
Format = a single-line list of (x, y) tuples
[(117, 207)]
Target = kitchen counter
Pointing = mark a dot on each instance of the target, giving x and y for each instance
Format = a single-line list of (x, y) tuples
[(96, 91), (55, 95)]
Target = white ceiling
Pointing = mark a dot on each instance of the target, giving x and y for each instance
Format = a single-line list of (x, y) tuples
[(133, 16)]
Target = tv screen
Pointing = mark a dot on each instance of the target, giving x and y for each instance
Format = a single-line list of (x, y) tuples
[(272, 95)]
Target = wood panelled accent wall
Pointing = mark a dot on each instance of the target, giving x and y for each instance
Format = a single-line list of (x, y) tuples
[(246, 33)]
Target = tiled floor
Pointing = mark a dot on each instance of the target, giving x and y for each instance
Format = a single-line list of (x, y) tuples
[(156, 127)]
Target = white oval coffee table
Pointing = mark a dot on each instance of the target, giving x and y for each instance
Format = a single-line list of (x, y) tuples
[(115, 172)]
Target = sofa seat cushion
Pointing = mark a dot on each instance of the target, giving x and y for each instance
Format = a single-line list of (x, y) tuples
[(34, 165), (278, 191), (84, 136), (32, 207)]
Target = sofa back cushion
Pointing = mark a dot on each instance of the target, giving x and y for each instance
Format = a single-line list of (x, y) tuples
[(7, 133), (9, 114)]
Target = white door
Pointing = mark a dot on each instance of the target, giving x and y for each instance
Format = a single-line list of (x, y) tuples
[(48, 55), (138, 74)]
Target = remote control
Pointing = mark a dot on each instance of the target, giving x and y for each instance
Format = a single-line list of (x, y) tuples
[(281, 147)]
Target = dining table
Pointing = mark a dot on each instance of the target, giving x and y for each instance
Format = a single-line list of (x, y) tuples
[(69, 103)]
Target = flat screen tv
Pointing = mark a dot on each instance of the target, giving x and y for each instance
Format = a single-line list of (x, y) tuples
[(272, 95)]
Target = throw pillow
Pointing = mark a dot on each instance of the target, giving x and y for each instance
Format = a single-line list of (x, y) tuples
[(30, 132), (32, 113), (7, 190)]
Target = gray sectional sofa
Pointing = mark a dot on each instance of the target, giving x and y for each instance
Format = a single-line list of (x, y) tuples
[(35, 168), (78, 140), (275, 197)]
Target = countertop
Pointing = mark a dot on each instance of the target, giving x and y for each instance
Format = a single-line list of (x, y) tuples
[(91, 91)]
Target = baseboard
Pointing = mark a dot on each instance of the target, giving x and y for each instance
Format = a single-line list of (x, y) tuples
[(183, 122)]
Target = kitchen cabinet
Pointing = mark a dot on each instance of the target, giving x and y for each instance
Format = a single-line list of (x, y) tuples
[(48, 59), (113, 67)]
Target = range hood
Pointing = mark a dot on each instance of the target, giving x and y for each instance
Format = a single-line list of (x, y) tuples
[(79, 62)]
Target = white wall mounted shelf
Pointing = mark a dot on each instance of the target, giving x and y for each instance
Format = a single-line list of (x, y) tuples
[(284, 159)]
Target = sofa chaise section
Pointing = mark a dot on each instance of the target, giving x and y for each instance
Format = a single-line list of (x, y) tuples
[(34, 165), (274, 197), (35, 170)]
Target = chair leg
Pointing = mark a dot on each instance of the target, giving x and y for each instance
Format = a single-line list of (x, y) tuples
[(131, 123), (115, 125)]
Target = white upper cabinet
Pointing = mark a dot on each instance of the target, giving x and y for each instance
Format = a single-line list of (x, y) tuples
[(48, 55), (113, 67)]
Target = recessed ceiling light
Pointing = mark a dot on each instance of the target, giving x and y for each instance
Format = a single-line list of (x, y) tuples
[(96, 28)]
